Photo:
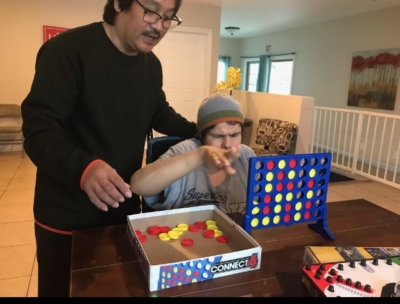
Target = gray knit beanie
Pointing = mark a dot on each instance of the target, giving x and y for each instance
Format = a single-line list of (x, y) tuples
[(216, 109)]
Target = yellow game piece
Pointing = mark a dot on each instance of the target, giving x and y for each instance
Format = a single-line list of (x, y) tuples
[(212, 227), (268, 188), (278, 208), (291, 174), (173, 235), (270, 176), (179, 231), (282, 164), (312, 173), (217, 233), (289, 197), (254, 223), (298, 206), (210, 222), (183, 226), (310, 194), (266, 221), (164, 237), (297, 216), (278, 198), (255, 211), (277, 219)]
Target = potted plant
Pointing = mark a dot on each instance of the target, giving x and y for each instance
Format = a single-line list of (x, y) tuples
[(234, 79)]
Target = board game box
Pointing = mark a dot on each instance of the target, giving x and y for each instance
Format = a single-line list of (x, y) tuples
[(332, 254), (352, 271), (189, 245)]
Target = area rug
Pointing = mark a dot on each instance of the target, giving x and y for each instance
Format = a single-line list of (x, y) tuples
[(335, 177)]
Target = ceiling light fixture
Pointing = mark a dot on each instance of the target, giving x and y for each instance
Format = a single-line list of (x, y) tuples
[(232, 29)]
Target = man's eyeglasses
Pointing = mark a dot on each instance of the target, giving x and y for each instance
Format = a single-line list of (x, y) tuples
[(151, 17)]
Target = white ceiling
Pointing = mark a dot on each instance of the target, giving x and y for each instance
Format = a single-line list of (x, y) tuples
[(258, 17)]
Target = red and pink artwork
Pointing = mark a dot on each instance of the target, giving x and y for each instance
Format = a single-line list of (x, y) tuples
[(374, 79)]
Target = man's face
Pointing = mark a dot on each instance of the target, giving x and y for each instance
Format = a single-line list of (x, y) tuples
[(134, 34), (224, 135)]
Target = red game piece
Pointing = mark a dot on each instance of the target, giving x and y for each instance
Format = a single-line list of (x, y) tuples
[(164, 229), (223, 239), (187, 242), (209, 233), (201, 224), (138, 232), (193, 228), (153, 230), (142, 238)]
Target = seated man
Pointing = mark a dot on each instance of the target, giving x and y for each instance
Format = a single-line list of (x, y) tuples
[(209, 169)]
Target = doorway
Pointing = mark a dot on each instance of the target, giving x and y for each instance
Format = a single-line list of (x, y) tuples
[(185, 55)]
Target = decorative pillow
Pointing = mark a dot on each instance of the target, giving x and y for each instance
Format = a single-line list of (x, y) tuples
[(276, 136)]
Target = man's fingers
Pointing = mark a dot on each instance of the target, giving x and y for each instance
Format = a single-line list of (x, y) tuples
[(110, 193), (96, 201), (229, 170), (124, 189), (101, 198), (105, 187)]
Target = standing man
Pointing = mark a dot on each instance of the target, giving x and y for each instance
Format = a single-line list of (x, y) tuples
[(96, 92)]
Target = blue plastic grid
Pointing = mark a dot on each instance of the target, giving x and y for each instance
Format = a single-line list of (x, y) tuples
[(286, 190)]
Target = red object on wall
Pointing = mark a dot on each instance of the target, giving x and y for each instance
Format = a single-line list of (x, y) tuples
[(51, 31)]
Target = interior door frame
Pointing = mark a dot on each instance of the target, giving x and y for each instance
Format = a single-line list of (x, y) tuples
[(207, 53), (207, 56)]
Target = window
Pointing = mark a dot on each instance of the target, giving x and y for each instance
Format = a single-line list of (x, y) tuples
[(223, 65), (221, 71), (279, 74), (252, 74)]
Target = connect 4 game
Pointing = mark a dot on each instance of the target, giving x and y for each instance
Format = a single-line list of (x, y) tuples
[(189, 245), (286, 190)]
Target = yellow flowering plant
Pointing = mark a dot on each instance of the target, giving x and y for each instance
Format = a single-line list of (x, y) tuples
[(234, 80)]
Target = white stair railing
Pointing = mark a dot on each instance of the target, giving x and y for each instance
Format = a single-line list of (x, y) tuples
[(361, 142)]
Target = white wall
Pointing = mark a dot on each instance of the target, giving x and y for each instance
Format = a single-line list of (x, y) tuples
[(324, 52), (231, 47)]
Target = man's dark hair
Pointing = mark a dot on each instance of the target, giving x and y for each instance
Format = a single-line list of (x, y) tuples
[(110, 13)]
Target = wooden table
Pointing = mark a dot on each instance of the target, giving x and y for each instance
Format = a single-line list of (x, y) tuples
[(104, 264)]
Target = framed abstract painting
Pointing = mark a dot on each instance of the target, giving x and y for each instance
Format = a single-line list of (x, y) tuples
[(374, 79)]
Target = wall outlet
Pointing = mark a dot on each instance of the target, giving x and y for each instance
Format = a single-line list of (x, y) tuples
[(362, 146)]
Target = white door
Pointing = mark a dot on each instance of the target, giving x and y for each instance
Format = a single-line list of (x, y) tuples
[(185, 55)]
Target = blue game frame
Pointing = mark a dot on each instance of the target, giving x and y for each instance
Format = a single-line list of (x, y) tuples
[(288, 189)]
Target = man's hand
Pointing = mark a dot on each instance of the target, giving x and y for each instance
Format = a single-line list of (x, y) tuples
[(105, 187), (221, 158)]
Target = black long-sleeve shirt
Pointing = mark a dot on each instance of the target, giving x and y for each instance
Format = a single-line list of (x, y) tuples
[(90, 101)]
